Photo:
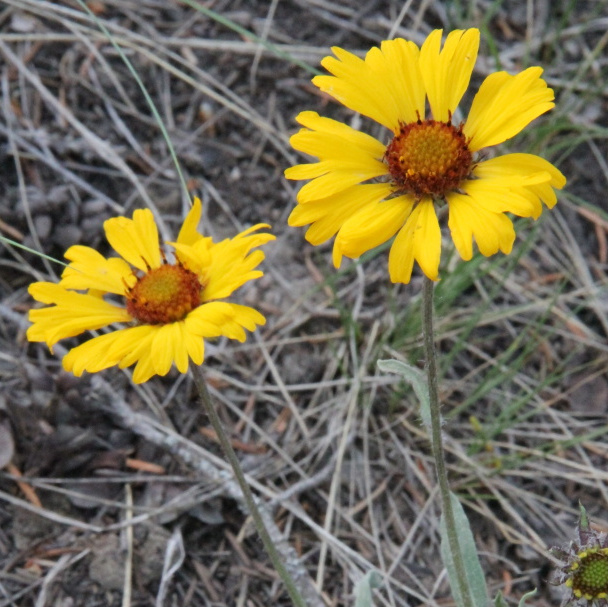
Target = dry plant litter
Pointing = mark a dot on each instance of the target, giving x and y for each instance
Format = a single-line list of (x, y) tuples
[(131, 476)]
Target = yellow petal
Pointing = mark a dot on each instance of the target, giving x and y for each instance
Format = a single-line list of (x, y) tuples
[(165, 347), (217, 319), (73, 313), (233, 262), (405, 81), (195, 257), (195, 346), (504, 105), (188, 233), (102, 352), (346, 157), (144, 369), (127, 341), (498, 196), (89, 356), (370, 227), (419, 240), (515, 183), (386, 86), (207, 320), (136, 342), (152, 347), (324, 147), (91, 270), (334, 184), (520, 164), (446, 74), (492, 231), (427, 240), (247, 317), (135, 240), (180, 356), (329, 214)]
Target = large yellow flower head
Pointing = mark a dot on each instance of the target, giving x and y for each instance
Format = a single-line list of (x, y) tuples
[(365, 191), (166, 306)]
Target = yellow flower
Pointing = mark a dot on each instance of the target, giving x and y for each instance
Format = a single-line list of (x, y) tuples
[(364, 191), (166, 308)]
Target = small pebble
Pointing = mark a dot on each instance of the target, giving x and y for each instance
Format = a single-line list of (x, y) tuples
[(93, 207), (67, 235), (92, 225), (43, 225)]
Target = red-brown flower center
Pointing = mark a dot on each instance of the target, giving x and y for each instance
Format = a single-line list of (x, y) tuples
[(164, 295), (428, 158)]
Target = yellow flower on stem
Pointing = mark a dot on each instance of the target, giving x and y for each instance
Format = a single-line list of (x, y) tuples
[(584, 565), (364, 191), (165, 307)]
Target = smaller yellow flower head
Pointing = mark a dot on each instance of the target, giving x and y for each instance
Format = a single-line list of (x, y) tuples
[(364, 191), (164, 308), (589, 574)]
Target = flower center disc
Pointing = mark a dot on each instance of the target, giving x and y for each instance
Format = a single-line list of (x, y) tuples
[(428, 158), (591, 578), (164, 295)]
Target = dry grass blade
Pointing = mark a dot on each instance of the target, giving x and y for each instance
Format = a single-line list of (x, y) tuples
[(334, 450)]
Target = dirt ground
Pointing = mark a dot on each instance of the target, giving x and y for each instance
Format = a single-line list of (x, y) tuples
[(128, 500)]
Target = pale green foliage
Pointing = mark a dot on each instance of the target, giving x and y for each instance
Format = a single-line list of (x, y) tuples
[(364, 587), (417, 379), (499, 601), (466, 542)]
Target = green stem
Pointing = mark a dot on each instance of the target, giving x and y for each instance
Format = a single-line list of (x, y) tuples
[(437, 444), (277, 561)]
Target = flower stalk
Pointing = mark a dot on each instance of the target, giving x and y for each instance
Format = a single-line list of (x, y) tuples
[(201, 385), (437, 443)]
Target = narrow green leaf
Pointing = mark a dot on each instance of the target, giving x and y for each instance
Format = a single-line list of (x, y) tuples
[(468, 550), (584, 522), (364, 587), (528, 595), (417, 379), (18, 245), (499, 600)]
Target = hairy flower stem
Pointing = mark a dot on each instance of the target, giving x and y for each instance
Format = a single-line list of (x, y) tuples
[(201, 385), (437, 444)]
